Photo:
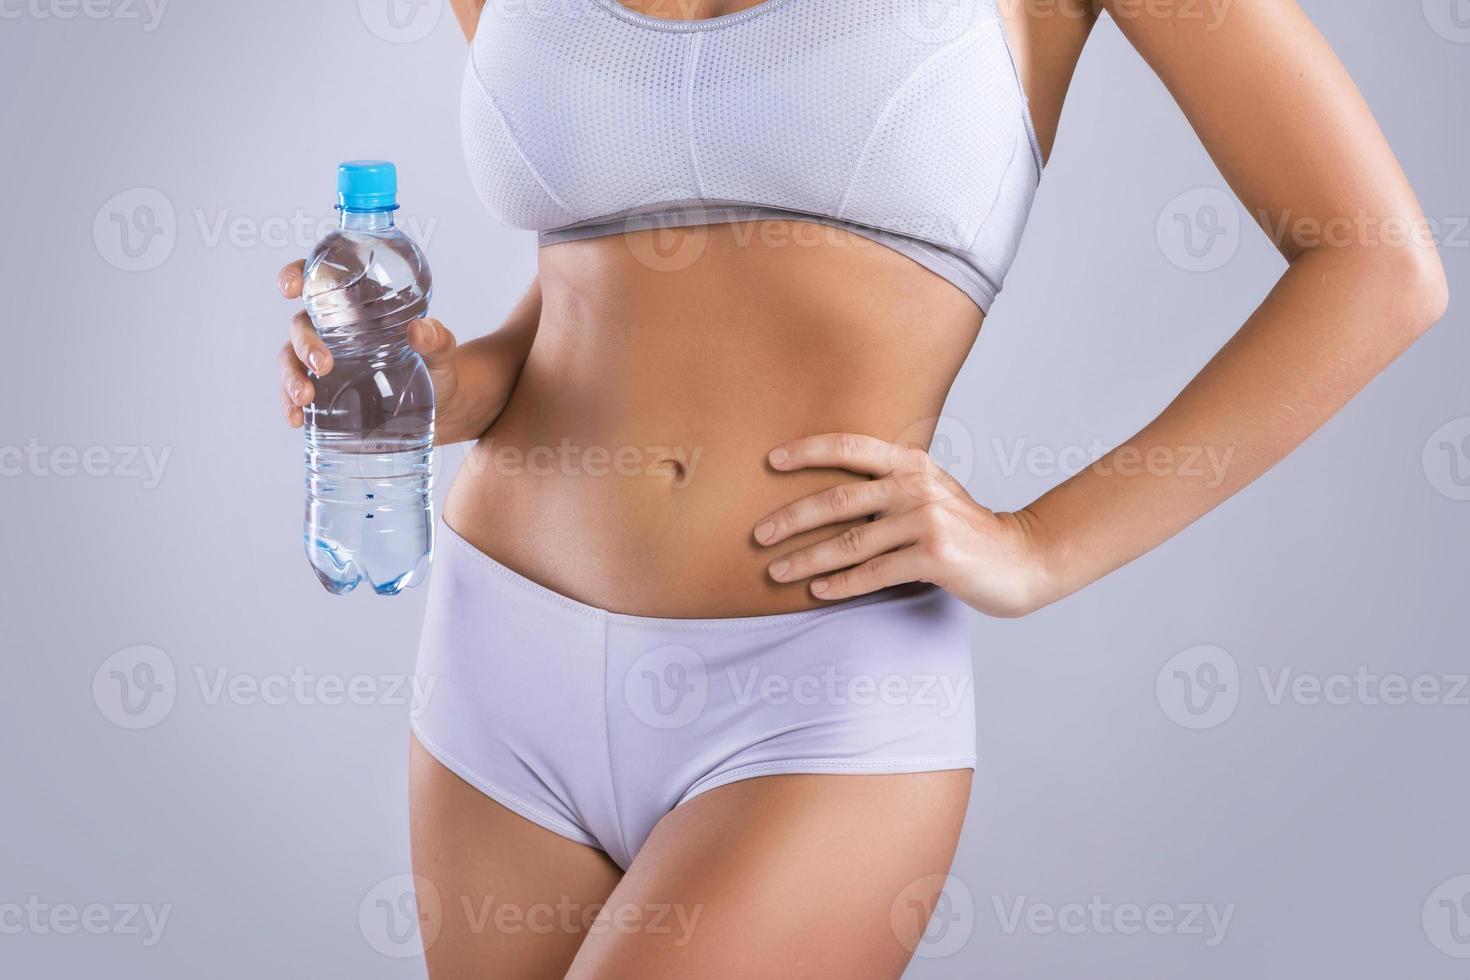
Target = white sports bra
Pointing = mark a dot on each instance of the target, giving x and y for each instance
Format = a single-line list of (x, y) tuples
[(899, 120)]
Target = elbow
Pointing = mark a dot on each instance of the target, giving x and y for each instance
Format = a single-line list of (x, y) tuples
[(1405, 286), (1421, 291)]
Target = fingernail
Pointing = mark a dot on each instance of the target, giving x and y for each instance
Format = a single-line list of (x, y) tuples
[(316, 359), (765, 531), (819, 587), (779, 569), (778, 456), (431, 335), (285, 283), (296, 387)]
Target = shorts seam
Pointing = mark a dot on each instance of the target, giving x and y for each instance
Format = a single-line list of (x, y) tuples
[(933, 763)]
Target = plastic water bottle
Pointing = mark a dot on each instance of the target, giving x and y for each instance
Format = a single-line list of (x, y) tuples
[(370, 431)]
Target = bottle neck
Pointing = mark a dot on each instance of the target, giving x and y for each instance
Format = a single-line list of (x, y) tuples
[(364, 220)]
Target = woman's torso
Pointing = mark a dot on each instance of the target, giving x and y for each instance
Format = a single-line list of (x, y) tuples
[(629, 468)]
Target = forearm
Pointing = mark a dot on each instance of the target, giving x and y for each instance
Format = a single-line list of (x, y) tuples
[(488, 368), (1335, 319)]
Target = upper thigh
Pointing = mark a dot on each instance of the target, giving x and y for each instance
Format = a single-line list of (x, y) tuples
[(796, 875), (513, 898)]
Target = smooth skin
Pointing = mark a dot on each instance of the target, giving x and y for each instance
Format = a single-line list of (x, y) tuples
[(780, 390)]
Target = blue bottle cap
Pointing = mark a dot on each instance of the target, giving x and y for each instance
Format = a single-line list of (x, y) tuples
[(367, 185)]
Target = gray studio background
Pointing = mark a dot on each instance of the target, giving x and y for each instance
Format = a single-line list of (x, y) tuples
[(247, 818)]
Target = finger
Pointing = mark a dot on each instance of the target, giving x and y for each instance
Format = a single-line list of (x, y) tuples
[(294, 383), (437, 346), (290, 279), (844, 451), (293, 413), (853, 546), (879, 572), (433, 342), (308, 346), (845, 502)]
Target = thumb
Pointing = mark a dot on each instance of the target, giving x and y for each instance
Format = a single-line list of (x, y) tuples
[(432, 341)]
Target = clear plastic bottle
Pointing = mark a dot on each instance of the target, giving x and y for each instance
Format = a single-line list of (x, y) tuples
[(370, 431)]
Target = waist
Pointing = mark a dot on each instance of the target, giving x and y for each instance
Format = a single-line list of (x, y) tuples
[(628, 470)]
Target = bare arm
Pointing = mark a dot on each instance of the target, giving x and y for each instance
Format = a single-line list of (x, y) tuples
[(486, 372), (1291, 134), (1295, 140), (467, 12)]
